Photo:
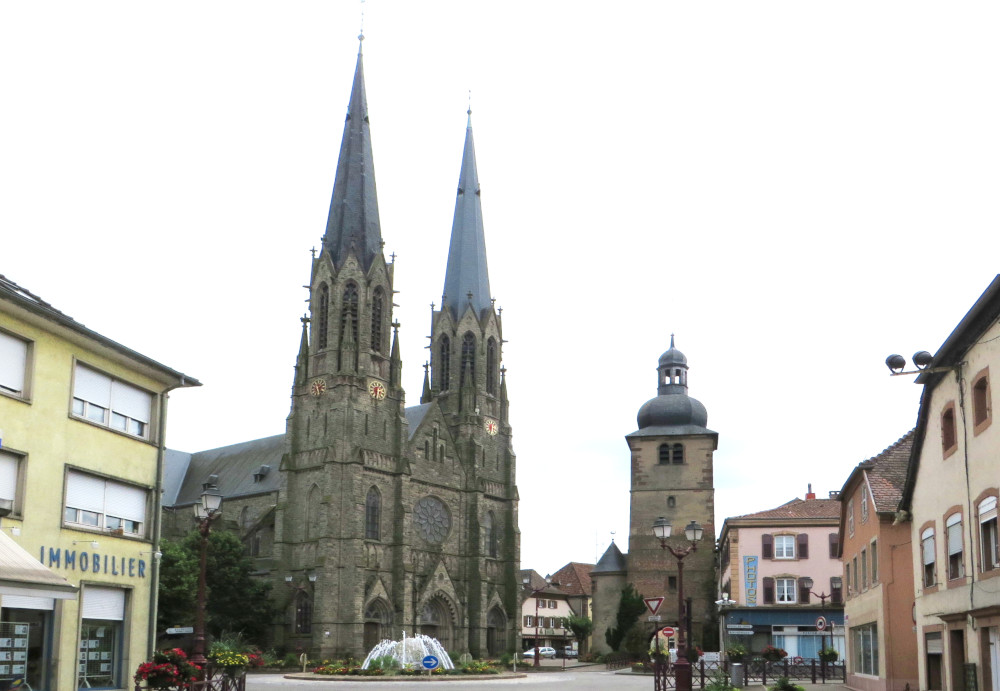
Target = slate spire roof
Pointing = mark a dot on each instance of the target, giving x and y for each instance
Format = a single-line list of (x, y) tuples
[(467, 271), (353, 223)]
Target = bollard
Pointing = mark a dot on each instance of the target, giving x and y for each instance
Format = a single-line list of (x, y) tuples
[(736, 675), (304, 659)]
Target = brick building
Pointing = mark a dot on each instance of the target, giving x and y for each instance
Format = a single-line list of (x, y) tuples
[(371, 517)]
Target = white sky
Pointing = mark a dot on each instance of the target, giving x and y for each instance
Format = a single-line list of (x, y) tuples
[(795, 189)]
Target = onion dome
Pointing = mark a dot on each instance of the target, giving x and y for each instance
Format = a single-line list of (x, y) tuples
[(673, 411)]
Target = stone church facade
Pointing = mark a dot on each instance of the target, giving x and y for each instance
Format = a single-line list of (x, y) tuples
[(372, 518), (671, 476)]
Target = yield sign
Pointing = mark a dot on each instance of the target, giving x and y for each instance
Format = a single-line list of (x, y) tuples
[(653, 603)]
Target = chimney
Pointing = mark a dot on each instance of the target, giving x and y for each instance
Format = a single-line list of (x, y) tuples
[(810, 494)]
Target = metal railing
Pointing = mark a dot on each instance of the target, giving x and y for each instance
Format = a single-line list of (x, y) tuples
[(216, 679), (755, 669)]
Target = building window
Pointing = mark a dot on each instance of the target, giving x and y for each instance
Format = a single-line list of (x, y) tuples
[(671, 502), (834, 545), (847, 577), (111, 403), (664, 454), (836, 595), (672, 583), (949, 437), (444, 357), (490, 530), (491, 366), (982, 408), (785, 591), (956, 563), (373, 510), (377, 307), (99, 504), (324, 316), (10, 479), (784, 546), (927, 553), (468, 359), (864, 641), (864, 503), (768, 588), (303, 612), (767, 546), (540, 603), (678, 454), (873, 552), (253, 544), (850, 517), (529, 621), (864, 569), (855, 579), (552, 604), (988, 534), (14, 365), (102, 646)]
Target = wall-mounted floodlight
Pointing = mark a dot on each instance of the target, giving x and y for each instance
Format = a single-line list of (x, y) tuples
[(921, 360)]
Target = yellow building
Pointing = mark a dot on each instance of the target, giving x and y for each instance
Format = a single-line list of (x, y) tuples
[(82, 422)]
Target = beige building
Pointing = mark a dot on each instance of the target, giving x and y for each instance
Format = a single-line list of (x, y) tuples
[(950, 498), (81, 454), (878, 574), (574, 580), (544, 609)]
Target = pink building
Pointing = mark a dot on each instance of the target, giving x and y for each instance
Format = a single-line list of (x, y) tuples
[(775, 565)]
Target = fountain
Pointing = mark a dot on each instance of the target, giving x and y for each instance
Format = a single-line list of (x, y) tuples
[(409, 652)]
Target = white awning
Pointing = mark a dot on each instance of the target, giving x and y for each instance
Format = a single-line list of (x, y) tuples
[(22, 574)]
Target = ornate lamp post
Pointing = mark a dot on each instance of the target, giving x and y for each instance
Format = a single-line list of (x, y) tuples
[(836, 583), (693, 533), (206, 511)]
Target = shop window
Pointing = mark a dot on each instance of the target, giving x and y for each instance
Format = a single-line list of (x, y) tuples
[(101, 641), (988, 534), (111, 403), (927, 554), (11, 465), (26, 641), (949, 437), (14, 360), (95, 503), (784, 546), (982, 409), (864, 646), (785, 591), (956, 562)]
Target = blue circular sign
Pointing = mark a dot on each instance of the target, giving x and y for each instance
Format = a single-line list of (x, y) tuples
[(430, 662)]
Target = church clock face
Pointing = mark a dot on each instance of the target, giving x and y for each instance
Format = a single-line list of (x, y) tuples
[(491, 427), (318, 387), (376, 390), (432, 519)]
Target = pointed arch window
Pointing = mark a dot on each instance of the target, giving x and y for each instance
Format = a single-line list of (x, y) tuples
[(491, 535), (468, 359), (491, 366), (377, 304), (349, 311), (303, 612), (444, 360), (373, 515), (323, 316)]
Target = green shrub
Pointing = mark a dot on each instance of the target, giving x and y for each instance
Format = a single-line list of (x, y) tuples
[(719, 682), (784, 685)]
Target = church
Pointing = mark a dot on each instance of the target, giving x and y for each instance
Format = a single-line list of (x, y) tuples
[(671, 456), (371, 518)]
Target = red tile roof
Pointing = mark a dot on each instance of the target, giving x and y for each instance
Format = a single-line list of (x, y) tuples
[(887, 474), (574, 578), (797, 508)]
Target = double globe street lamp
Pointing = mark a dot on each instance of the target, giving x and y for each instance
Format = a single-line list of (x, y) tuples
[(693, 532), (206, 511)]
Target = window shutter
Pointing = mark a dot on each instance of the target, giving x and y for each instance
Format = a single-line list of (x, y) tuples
[(803, 545), (527, 620), (987, 509), (104, 603), (92, 386), (131, 402), (954, 534), (768, 590), (125, 501), (803, 592), (85, 492), (13, 362), (834, 545), (28, 602), (8, 475), (766, 547)]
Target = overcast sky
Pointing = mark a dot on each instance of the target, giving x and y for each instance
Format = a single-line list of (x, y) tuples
[(795, 189)]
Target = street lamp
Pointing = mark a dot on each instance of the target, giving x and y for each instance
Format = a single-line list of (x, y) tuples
[(534, 593), (693, 533), (722, 604), (206, 511), (836, 583)]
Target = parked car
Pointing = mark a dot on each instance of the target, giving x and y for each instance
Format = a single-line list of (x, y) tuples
[(542, 651), (570, 651)]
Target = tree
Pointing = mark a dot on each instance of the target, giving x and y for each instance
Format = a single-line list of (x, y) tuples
[(236, 601), (581, 627), (630, 607)]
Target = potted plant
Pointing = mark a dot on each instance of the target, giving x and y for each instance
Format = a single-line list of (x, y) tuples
[(773, 654), (828, 654), (169, 669), (736, 652), (233, 664)]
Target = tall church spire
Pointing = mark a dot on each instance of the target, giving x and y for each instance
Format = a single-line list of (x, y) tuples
[(353, 223), (467, 272)]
